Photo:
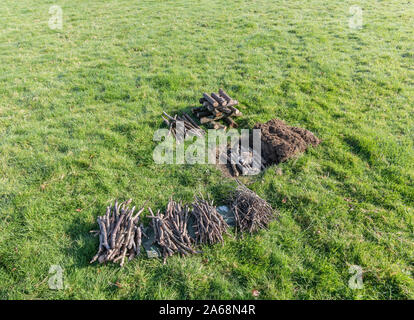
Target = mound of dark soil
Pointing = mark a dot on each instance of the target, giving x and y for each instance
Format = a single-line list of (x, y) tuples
[(280, 141)]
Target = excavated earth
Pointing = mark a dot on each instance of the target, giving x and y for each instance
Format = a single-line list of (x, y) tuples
[(280, 141)]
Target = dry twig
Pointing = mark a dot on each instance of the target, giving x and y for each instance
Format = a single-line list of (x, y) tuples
[(209, 225), (170, 230), (119, 234)]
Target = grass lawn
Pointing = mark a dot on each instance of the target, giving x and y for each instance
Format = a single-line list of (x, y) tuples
[(79, 107)]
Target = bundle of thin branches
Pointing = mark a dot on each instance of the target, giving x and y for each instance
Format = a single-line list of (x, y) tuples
[(182, 126), (209, 225), (250, 211), (170, 230), (119, 234)]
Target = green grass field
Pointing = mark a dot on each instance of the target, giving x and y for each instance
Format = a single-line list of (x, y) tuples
[(79, 107)]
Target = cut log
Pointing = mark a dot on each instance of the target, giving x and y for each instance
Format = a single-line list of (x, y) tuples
[(197, 109), (229, 100), (230, 122), (221, 101), (213, 102), (209, 107), (225, 110), (202, 114), (217, 126), (205, 120), (236, 112)]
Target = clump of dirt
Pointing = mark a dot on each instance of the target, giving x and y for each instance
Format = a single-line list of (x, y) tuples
[(280, 141)]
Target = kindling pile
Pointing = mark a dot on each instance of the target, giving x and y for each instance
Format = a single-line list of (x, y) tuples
[(250, 211), (182, 126), (209, 225), (170, 229), (119, 234), (178, 230)]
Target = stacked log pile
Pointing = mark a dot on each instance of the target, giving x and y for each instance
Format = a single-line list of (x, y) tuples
[(215, 107), (182, 126), (119, 234), (170, 230), (244, 161), (209, 224), (251, 212)]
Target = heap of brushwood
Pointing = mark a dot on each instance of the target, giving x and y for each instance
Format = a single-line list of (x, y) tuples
[(209, 224), (182, 126), (250, 211), (242, 160), (119, 234), (215, 107), (170, 230)]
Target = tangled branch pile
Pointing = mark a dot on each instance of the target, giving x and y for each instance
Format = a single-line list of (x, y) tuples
[(119, 234), (171, 230), (215, 107), (182, 126), (209, 225), (250, 211)]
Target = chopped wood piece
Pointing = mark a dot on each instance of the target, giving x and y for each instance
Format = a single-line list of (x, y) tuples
[(221, 101), (203, 114), (213, 102), (204, 120), (217, 126), (230, 122)]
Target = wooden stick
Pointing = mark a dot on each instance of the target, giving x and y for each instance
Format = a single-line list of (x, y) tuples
[(215, 125), (221, 101), (213, 102), (230, 122), (203, 114), (204, 120)]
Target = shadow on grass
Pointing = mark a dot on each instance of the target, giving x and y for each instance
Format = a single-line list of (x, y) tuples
[(85, 243)]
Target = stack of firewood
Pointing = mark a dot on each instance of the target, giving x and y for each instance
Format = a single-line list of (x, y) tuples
[(209, 224), (119, 234), (243, 161), (170, 230), (215, 107), (251, 212), (182, 126)]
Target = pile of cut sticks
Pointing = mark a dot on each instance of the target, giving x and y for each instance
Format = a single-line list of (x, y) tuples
[(209, 224), (243, 161), (182, 126), (170, 230), (119, 234), (215, 107), (250, 211)]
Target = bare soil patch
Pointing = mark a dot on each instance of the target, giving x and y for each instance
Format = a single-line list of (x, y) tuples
[(280, 141)]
